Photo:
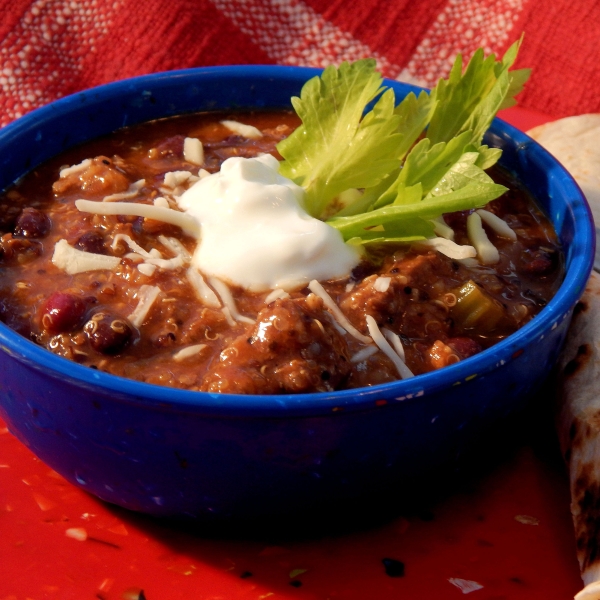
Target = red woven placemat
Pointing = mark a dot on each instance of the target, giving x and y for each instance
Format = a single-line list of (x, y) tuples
[(51, 48)]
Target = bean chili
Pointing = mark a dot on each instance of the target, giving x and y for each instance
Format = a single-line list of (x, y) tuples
[(443, 310)]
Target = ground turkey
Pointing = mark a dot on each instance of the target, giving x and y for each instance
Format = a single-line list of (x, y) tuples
[(292, 348)]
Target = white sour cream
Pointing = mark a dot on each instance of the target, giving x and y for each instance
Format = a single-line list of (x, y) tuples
[(255, 233)]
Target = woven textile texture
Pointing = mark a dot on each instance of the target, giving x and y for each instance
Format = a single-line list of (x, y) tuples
[(51, 48)]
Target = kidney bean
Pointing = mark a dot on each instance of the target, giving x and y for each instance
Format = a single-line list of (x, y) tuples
[(108, 334), (62, 312), (464, 346), (32, 223)]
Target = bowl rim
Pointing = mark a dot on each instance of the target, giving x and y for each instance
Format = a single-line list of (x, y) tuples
[(318, 403)]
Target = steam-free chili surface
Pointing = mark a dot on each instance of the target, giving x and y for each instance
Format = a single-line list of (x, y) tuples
[(444, 310)]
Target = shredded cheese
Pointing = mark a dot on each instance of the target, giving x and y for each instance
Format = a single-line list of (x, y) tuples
[(448, 248), (275, 295), (500, 226), (147, 269), (385, 347), (230, 320), (132, 192), (187, 223), (395, 341), (188, 352), (193, 151), (228, 301), (486, 251), (166, 263), (73, 261), (161, 202), (365, 353), (133, 245), (174, 179), (318, 290), (147, 296), (204, 293), (442, 229), (247, 131), (175, 246), (82, 166), (382, 284)]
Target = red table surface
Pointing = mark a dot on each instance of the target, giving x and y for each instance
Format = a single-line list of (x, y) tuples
[(505, 526)]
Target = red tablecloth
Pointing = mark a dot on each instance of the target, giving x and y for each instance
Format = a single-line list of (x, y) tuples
[(50, 48)]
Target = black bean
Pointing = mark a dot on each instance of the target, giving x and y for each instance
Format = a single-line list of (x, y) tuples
[(91, 241), (32, 223), (107, 333)]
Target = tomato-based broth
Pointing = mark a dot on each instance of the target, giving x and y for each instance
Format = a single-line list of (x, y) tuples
[(122, 293)]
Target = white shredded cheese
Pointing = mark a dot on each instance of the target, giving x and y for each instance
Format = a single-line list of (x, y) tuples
[(75, 168), (228, 301), (275, 295), (147, 295), (486, 251), (385, 347), (147, 269), (202, 173), (500, 226), (132, 192), (187, 223), (230, 320), (135, 257), (73, 261), (203, 291), (174, 179), (318, 290), (161, 202), (175, 246), (365, 353), (382, 284), (448, 248), (350, 286), (133, 245), (187, 352), (167, 263), (247, 131), (193, 151), (442, 229), (395, 341)]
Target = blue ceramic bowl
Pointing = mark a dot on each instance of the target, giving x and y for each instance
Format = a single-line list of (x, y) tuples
[(173, 452)]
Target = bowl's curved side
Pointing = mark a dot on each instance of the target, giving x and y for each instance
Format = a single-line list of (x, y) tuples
[(165, 462), (170, 452)]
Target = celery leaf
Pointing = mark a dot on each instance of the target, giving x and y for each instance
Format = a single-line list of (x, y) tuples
[(336, 148)]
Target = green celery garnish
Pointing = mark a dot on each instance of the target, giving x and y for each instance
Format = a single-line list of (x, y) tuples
[(413, 162)]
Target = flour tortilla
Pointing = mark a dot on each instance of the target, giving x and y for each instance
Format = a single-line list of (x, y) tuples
[(578, 427), (574, 141)]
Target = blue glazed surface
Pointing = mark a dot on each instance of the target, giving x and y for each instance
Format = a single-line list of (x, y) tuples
[(175, 452)]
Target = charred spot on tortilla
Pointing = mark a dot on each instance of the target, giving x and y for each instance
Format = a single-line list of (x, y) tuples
[(572, 431), (584, 352), (588, 528), (594, 422), (581, 307)]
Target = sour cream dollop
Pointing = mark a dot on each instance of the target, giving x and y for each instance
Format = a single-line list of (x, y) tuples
[(255, 233)]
